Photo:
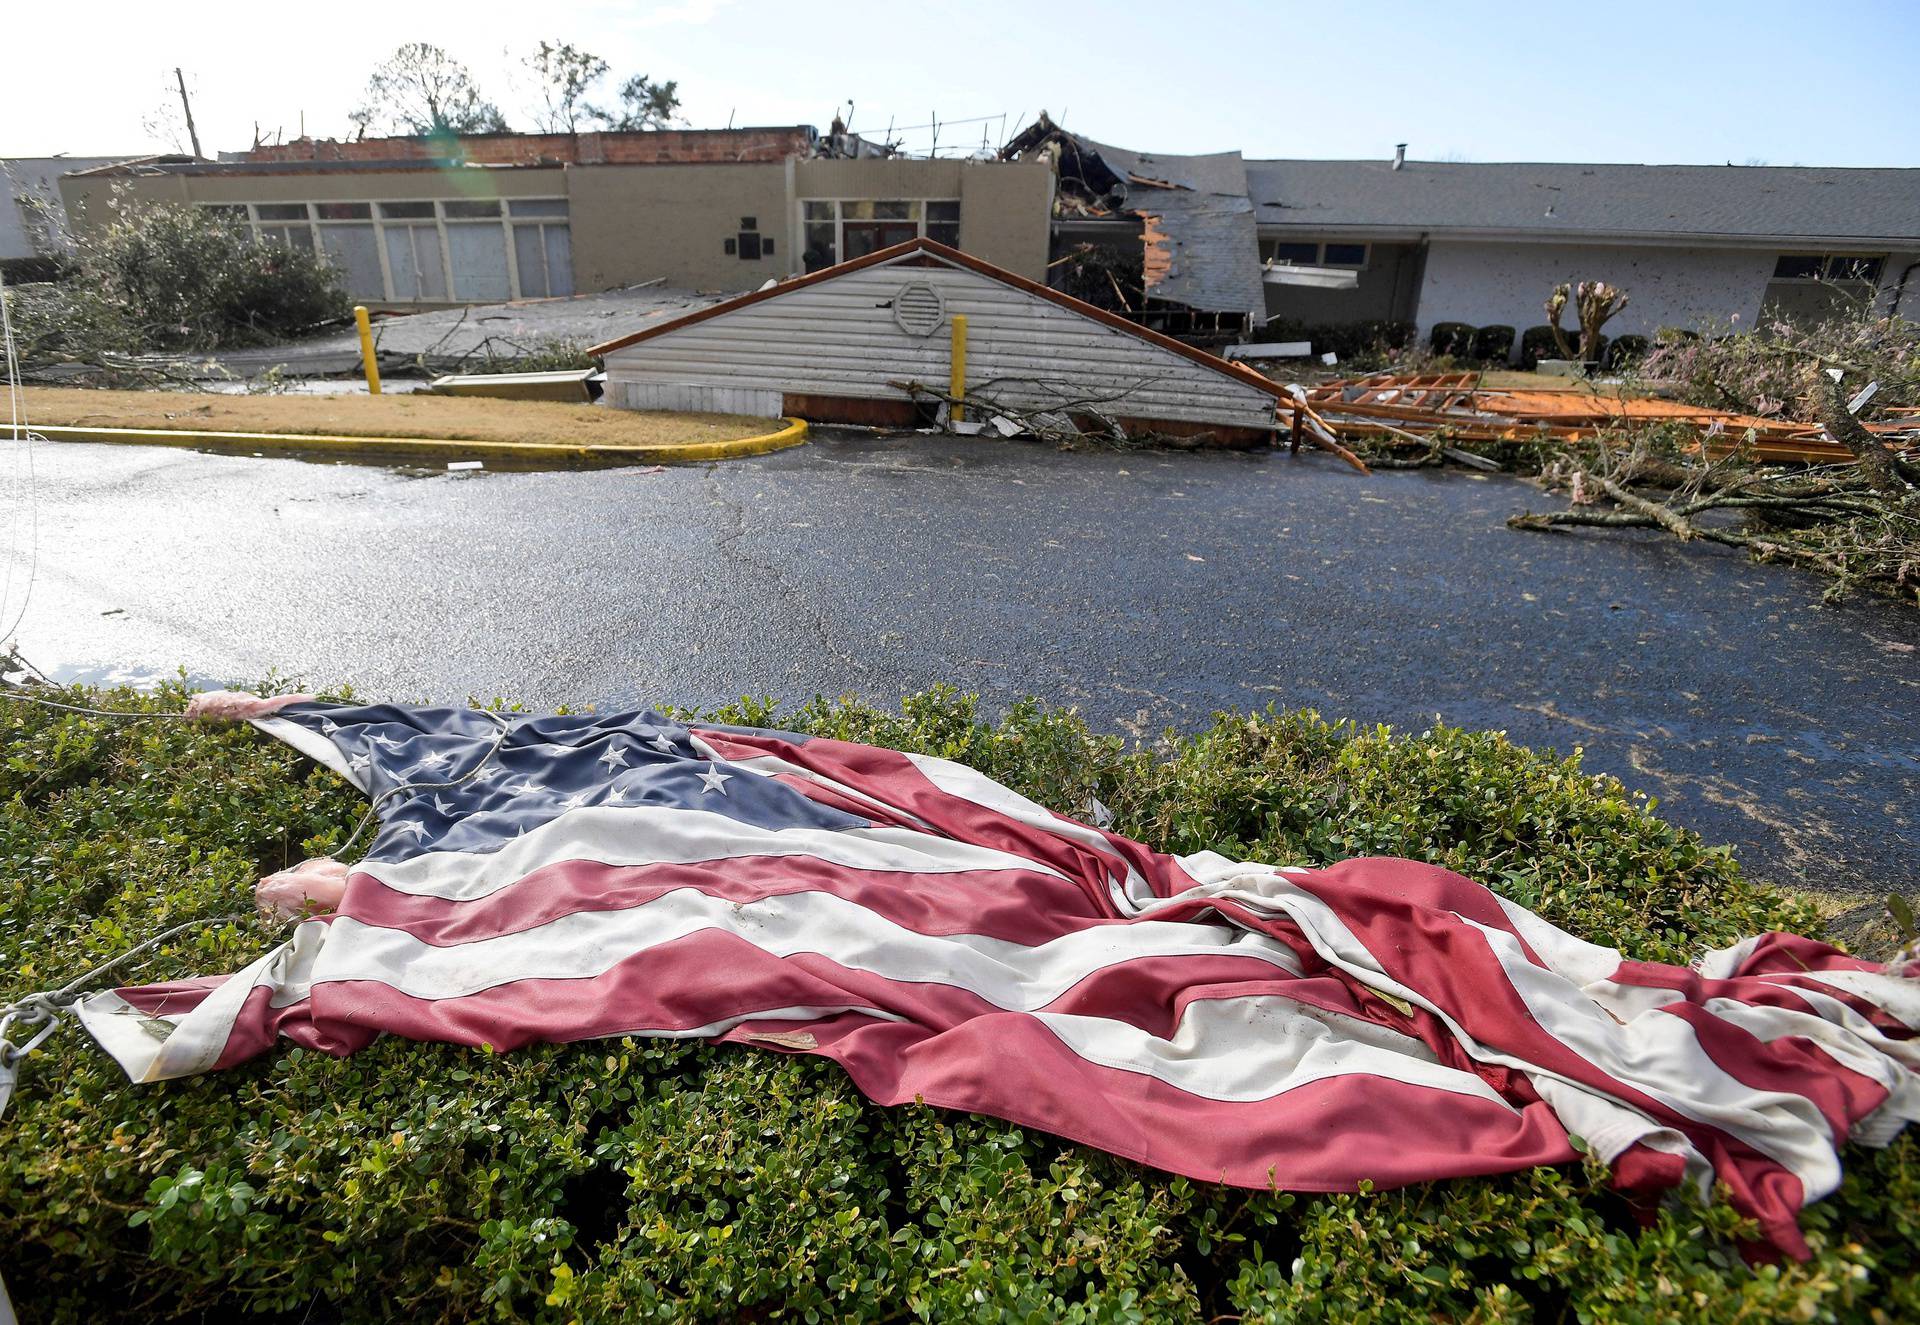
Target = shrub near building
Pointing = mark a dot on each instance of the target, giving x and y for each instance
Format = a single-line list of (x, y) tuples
[(174, 278), (650, 1180)]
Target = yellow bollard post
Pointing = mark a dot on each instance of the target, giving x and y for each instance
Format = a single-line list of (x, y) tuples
[(957, 374), (367, 361)]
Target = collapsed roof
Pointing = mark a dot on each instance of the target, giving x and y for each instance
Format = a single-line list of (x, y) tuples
[(1199, 243)]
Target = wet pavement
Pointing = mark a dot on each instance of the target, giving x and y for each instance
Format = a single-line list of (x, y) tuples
[(1147, 589)]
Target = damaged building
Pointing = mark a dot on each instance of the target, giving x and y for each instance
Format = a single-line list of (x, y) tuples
[(1212, 247), (1169, 242), (418, 223)]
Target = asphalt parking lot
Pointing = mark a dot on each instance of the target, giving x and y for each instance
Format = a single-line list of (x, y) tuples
[(1148, 589)]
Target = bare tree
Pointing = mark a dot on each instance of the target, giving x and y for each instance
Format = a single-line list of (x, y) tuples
[(166, 123), (421, 89), (565, 74), (644, 104)]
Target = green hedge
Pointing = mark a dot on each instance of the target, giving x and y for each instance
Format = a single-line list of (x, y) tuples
[(625, 1180)]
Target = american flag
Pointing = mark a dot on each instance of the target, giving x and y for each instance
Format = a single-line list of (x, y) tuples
[(947, 940)]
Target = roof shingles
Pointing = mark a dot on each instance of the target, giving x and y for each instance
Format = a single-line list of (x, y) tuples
[(1717, 201)]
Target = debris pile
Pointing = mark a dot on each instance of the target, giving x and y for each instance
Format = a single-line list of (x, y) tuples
[(1428, 411), (1187, 218)]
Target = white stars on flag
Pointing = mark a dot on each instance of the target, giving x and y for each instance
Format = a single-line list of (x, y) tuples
[(714, 780), (614, 758)]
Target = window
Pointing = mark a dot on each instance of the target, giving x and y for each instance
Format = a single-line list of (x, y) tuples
[(1287, 251), (477, 259), (1311, 253), (283, 223), (544, 255), (1849, 268), (868, 227), (465, 249), (839, 231), (822, 241), (943, 223), (542, 247), (355, 250), (413, 261), (1828, 267)]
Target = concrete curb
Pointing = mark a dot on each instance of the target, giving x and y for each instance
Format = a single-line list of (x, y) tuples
[(531, 455)]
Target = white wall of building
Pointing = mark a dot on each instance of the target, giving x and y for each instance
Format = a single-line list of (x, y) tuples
[(1507, 282), (25, 182)]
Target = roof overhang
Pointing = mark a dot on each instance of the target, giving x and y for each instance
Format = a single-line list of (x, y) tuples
[(1636, 238)]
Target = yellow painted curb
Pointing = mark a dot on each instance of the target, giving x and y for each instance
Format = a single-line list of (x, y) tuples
[(534, 454)]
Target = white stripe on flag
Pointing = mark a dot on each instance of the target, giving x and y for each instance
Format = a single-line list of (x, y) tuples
[(663, 835), (1237, 1050), (584, 944)]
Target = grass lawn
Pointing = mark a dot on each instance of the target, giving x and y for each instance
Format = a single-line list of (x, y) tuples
[(459, 418), (624, 1180)]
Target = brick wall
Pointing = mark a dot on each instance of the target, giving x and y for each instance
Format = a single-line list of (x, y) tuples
[(663, 146)]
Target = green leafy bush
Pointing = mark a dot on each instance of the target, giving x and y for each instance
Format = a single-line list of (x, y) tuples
[(1453, 339), (1537, 343), (1493, 344), (651, 1180), (174, 278), (1627, 352)]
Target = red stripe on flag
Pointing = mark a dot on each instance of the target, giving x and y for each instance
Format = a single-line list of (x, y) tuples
[(1017, 906)]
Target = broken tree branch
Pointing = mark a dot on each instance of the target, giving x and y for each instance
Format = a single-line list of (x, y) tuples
[(1882, 467)]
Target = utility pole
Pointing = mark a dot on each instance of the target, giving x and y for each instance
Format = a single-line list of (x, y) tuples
[(193, 134)]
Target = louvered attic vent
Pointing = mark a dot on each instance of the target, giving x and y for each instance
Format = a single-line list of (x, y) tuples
[(918, 309)]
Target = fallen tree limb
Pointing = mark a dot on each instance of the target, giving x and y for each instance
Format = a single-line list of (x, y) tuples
[(1664, 516), (1322, 432), (1884, 468)]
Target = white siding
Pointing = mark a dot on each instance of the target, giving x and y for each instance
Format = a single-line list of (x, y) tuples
[(1485, 283), (690, 398), (838, 338)]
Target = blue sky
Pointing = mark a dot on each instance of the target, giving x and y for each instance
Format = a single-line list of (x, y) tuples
[(1674, 82)]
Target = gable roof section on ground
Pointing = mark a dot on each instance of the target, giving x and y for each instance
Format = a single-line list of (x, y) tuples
[(834, 333), (1699, 203)]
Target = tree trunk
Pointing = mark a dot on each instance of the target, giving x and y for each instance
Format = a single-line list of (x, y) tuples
[(1878, 464)]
